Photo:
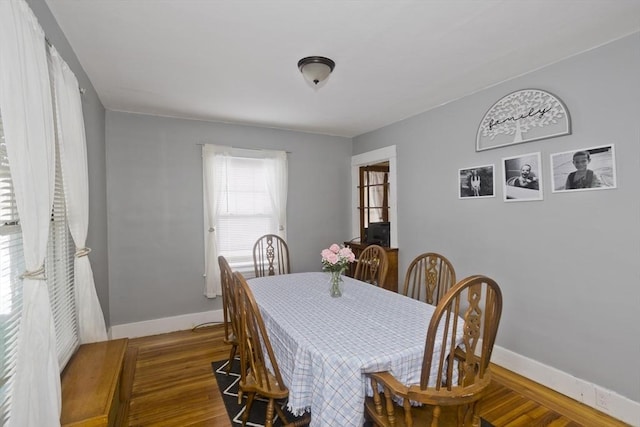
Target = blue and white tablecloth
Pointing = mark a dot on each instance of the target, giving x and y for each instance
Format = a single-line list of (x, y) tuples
[(324, 345)]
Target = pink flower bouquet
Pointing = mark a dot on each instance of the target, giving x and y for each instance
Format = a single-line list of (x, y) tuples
[(336, 258)]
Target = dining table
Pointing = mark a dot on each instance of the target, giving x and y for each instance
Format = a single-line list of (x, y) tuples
[(325, 346)]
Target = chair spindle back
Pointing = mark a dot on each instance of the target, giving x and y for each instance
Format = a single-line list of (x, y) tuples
[(429, 277), (271, 256), (372, 265)]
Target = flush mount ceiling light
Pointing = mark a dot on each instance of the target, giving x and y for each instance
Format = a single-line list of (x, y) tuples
[(316, 68)]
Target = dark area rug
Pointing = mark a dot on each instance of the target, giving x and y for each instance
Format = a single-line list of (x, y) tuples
[(228, 385)]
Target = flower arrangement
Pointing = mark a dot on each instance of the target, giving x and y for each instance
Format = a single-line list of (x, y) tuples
[(337, 258)]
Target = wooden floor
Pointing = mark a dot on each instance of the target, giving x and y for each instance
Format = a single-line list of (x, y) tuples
[(175, 386)]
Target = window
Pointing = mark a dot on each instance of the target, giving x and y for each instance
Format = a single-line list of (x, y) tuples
[(373, 189), (246, 211), (58, 269), (245, 198)]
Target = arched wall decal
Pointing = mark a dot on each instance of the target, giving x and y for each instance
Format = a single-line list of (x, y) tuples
[(523, 116)]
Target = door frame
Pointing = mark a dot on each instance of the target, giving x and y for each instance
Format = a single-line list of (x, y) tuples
[(376, 156)]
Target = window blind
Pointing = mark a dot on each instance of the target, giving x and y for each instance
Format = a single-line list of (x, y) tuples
[(60, 273), (11, 266), (246, 211)]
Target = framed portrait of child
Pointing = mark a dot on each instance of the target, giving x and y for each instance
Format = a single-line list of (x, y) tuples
[(584, 169), (522, 178)]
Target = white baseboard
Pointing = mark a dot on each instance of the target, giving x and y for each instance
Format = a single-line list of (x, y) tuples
[(607, 401), (164, 325)]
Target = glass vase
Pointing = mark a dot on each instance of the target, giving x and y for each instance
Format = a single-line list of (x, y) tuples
[(336, 284)]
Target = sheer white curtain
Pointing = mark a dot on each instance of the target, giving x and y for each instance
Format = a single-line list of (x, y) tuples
[(25, 102), (245, 196), (277, 185), (73, 158), (212, 192), (376, 192)]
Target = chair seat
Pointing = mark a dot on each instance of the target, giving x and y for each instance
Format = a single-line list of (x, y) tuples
[(456, 396), (252, 385)]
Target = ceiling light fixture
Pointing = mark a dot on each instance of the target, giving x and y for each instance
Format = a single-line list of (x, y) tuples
[(316, 68)]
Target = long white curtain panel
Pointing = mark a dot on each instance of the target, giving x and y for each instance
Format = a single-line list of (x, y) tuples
[(73, 159)]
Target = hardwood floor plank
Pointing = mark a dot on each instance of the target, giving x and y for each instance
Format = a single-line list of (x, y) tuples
[(573, 410), (495, 408), (509, 414), (174, 386)]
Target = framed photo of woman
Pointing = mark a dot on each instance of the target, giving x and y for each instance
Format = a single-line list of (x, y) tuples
[(476, 182), (522, 178)]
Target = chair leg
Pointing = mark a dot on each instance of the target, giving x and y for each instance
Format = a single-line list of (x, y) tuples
[(475, 414), (282, 415), (436, 416), (232, 355), (462, 416), (268, 422), (406, 406), (247, 408)]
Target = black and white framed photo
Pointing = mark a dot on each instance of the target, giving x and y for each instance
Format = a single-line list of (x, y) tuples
[(591, 168), (522, 178), (477, 182)]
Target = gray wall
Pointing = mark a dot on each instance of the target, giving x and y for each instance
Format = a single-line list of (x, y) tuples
[(567, 265), (95, 132), (154, 182)]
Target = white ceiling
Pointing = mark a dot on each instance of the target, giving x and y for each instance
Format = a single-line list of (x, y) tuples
[(236, 60)]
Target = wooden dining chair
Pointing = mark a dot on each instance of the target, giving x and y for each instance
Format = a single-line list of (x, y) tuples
[(452, 381), (429, 277), (271, 256), (372, 265), (229, 309), (256, 354)]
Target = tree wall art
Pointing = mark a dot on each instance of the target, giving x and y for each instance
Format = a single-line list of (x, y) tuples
[(523, 116)]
